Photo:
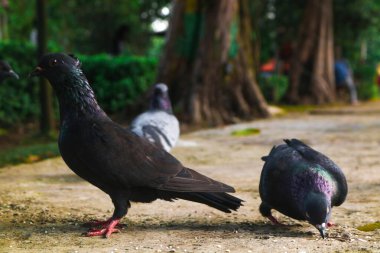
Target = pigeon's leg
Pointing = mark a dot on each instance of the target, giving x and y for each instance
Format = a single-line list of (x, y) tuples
[(97, 223), (106, 231), (274, 220), (121, 209), (330, 224), (265, 210)]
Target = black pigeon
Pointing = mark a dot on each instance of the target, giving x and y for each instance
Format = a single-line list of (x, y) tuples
[(120, 163), (301, 183), (6, 71), (158, 124)]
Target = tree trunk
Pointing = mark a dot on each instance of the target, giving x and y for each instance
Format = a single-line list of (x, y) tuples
[(46, 118), (208, 62), (312, 68)]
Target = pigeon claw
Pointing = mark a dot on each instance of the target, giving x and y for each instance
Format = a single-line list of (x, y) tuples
[(106, 228), (274, 220), (106, 232)]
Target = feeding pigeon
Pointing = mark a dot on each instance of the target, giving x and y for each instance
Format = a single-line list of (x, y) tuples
[(6, 71), (301, 183), (158, 124), (120, 163)]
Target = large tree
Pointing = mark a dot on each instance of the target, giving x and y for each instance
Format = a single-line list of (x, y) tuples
[(312, 67), (208, 62), (47, 115)]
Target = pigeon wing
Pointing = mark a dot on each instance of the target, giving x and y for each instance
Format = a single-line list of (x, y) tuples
[(314, 156), (127, 160)]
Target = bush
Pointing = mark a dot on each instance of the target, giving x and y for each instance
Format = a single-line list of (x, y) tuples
[(117, 81), (366, 85), (18, 98), (274, 87)]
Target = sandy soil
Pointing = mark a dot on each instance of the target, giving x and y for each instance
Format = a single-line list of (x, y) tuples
[(43, 205)]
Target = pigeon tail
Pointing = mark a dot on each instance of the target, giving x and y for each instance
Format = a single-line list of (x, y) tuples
[(219, 200)]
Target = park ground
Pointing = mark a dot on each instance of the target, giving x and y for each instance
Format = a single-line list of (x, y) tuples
[(43, 205)]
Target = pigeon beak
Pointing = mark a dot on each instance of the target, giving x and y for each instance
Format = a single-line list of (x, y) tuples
[(13, 74), (322, 229), (36, 72)]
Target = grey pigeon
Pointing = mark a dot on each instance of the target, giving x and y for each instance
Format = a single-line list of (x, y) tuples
[(6, 71), (158, 124), (301, 183), (114, 159)]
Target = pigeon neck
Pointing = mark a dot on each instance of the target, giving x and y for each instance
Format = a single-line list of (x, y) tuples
[(77, 100), (161, 103)]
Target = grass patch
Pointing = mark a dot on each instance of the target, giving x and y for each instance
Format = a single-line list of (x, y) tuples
[(299, 108), (246, 132), (369, 227), (28, 154)]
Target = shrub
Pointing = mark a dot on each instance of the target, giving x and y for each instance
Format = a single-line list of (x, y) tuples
[(274, 87), (117, 81), (18, 98), (364, 75)]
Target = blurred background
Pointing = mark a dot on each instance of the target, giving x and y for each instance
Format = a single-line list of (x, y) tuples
[(224, 61)]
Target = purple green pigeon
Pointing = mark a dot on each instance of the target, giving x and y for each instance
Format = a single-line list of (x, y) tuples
[(301, 183)]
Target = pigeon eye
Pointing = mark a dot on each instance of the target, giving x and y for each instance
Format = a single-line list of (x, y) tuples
[(53, 62)]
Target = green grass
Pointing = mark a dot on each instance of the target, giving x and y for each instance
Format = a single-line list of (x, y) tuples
[(298, 108), (245, 132), (28, 153), (369, 227)]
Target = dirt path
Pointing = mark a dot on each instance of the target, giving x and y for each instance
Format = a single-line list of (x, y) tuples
[(43, 205)]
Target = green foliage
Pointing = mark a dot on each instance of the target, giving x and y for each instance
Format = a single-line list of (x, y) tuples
[(156, 48), (118, 81), (274, 87), (365, 75), (356, 21), (89, 26), (18, 98)]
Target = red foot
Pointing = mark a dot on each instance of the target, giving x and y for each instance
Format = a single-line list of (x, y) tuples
[(106, 228), (100, 224), (330, 224), (274, 220)]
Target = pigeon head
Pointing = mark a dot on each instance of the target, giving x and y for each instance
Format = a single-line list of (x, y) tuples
[(160, 99), (58, 68), (318, 211), (75, 94), (6, 71)]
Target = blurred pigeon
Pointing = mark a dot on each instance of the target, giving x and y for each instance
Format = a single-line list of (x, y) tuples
[(158, 124), (301, 183), (114, 159), (6, 71)]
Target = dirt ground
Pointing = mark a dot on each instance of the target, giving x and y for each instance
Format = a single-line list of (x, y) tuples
[(43, 205)]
